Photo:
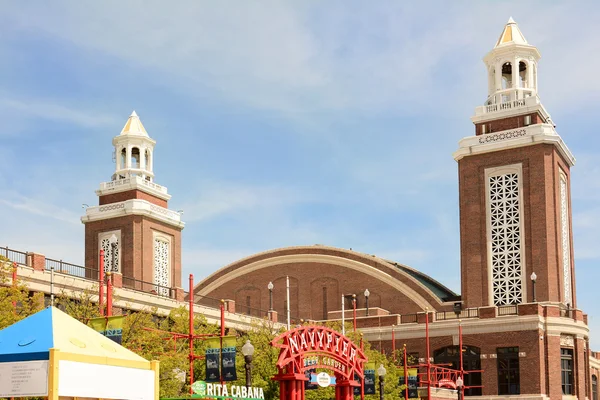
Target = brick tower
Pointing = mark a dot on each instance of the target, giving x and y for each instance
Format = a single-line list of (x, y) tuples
[(514, 184), (140, 236)]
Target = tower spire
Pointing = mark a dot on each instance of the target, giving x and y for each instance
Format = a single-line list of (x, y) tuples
[(133, 150)]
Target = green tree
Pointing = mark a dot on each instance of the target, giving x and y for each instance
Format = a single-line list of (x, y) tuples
[(16, 302)]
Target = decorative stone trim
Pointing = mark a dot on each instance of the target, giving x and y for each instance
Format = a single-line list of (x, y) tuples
[(133, 207), (567, 341), (510, 139), (495, 137)]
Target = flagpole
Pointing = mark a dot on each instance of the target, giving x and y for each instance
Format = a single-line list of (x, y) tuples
[(287, 278), (343, 320)]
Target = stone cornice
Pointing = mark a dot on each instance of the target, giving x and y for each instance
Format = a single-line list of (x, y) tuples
[(513, 138), (133, 207)]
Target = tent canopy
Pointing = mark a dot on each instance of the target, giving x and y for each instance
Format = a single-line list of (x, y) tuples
[(52, 338)]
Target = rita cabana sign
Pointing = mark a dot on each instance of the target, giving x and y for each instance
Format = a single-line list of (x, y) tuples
[(203, 389)]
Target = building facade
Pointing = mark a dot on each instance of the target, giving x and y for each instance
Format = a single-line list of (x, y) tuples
[(523, 335)]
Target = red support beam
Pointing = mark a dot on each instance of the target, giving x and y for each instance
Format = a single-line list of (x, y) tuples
[(191, 332), (101, 283), (108, 294)]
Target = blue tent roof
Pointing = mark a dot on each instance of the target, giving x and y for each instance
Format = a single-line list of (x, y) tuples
[(28, 339)]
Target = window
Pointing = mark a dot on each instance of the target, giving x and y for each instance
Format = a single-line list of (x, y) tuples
[(483, 129), (594, 387), (471, 362), (565, 239), (248, 303), (135, 157), (505, 235), (112, 251), (162, 264), (508, 370), (527, 120), (566, 371)]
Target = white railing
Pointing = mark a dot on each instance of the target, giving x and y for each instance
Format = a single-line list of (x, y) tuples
[(133, 180)]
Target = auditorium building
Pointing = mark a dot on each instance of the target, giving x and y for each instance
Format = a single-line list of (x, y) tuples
[(522, 329)]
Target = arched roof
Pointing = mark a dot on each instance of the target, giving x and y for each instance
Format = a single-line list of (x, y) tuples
[(423, 290)]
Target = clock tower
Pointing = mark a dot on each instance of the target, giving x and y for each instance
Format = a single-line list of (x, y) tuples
[(514, 189), (132, 223)]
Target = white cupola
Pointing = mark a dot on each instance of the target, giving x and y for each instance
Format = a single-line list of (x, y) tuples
[(512, 68), (133, 151)]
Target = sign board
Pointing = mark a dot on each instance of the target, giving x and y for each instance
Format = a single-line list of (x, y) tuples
[(323, 379), (111, 327), (219, 391), (24, 379)]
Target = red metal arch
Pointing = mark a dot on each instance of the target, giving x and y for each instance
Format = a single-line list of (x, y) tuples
[(313, 340)]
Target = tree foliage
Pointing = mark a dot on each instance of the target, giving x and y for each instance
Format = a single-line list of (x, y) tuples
[(16, 302)]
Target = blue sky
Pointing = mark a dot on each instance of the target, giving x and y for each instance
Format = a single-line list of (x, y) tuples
[(281, 123)]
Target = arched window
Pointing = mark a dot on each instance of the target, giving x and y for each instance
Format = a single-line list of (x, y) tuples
[(135, 157), (523, 75), (594, 387), (471, 362), (123, 158), (506, 75)]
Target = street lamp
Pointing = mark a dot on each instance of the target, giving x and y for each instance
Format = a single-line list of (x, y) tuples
[(270, 287), (113, 249), (459, 387), (367, 293), (533, 279), (248, 351), (381, 373)]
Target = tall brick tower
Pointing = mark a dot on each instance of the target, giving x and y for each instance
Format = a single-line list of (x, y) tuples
[(140, 236), (514, 184)]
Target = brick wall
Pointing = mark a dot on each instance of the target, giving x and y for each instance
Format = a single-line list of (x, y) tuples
[(540, 194), (130, 195), (503, 124)]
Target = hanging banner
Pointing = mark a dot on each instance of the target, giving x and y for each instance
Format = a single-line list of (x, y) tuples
[(370, 378), (356, 389), (311, 375), (413, 383), (111, 327), (213, 351), (228, 359)]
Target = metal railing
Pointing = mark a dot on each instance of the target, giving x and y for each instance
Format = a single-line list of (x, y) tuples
[(148, 287), (508, 310), (408, 318), (19, 257), (66, 268), (466, 313)]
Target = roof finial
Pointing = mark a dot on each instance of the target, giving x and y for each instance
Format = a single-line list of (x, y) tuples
[(510, 21), (133, 114)]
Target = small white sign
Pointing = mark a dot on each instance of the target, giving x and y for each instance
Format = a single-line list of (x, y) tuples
[(323, 379), (24, 379)]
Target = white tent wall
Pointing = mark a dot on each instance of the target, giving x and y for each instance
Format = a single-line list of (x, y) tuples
[(77, 379)]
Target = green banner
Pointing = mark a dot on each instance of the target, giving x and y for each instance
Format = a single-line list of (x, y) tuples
[(111, 327), (213, 352), (228, 359), (369, 382)]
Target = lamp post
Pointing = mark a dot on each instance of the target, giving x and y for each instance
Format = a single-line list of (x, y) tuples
[(367, 293), (533, 279), (459, 387), (270, 287), (381, 373), (248, 351), (113, 250), (354, 311)]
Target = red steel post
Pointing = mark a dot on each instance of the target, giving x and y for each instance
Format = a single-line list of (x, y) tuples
[(101, 283), (191, 332), (460, 345), (354, 310), (427, 354), (405, 374), (108, 294)]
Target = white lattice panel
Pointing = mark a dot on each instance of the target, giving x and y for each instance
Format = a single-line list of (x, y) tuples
[(161, 266), (108, 256), (504, 220), (566, 239)]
